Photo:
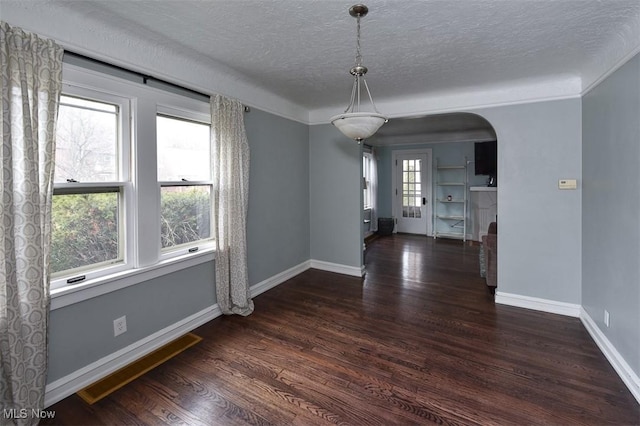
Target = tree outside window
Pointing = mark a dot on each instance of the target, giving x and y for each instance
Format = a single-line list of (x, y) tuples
[(185, 173), (87, 202)]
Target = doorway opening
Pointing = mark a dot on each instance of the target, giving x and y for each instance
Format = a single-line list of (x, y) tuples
[(427, 177)]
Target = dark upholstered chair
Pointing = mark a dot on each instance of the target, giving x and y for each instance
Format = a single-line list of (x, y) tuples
[(490, 248)]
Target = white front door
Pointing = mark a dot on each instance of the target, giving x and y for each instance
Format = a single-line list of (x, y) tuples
[(412, 192)]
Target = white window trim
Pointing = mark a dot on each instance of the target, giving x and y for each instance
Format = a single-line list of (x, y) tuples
[(125, 240), (198, 116), (204, 244), (144, 259), (188, 248), (101, 269), (70, 294), (367, 178)]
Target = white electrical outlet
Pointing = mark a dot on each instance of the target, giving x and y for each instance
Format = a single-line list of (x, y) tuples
[(606, 318), (119, 326)]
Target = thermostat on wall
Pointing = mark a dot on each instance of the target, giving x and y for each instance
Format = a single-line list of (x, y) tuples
[(567, 184)]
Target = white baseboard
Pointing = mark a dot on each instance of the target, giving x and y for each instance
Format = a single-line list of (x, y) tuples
[(625, 372), (337, 268), (79, 379), (278, 279), (628, 376), (544, 305), (71, 383)]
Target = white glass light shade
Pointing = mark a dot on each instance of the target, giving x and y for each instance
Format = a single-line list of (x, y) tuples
[(358, 125)]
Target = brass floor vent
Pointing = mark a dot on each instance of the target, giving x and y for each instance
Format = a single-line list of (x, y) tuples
[(118, 379)]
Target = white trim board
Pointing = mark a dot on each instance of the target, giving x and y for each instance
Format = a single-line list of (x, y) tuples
[(628, 376), (79, 379), (537, 304), (83, 377), (622, 368), (354, 271), (69, 295), (278, 279)]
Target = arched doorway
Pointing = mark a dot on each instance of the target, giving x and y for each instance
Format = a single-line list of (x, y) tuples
[(451, 141)]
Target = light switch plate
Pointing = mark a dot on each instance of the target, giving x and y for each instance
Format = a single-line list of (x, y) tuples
[(567, 184)]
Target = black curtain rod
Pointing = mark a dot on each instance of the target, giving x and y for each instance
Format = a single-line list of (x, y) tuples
[(144, 77)]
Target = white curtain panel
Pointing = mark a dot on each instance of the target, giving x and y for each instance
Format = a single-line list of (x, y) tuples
[(31, 84), (231, 200)]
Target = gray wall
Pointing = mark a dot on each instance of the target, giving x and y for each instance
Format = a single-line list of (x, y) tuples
[(278, 222), (82, 333), (539, 242), (611, 206), (540, 233), (277, 239), (335, 178)]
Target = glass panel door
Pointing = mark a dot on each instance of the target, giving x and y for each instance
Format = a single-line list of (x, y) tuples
[(412, 207)]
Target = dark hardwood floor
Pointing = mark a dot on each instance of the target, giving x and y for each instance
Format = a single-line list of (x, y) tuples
[(417, 341)]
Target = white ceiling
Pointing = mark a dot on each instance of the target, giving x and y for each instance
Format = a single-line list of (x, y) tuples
[(301, 51), (453, 127)]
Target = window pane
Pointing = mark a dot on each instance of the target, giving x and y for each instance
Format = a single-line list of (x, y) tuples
[(411, 189), (87, 141), (185, 214), (184, 150), (85, 230), (85, 103)]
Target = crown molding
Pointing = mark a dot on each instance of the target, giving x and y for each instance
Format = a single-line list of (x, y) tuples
[(510, 93), (91, 37)]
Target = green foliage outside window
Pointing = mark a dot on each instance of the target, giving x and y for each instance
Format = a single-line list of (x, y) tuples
[(185, 215), (85, 230), (85, 226)]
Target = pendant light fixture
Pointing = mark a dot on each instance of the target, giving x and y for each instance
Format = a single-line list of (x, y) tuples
[(354, 123)]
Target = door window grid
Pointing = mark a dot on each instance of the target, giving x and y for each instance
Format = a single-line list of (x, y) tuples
[(411, 188)]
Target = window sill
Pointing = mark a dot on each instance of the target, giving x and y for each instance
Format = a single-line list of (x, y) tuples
[(71, 294)]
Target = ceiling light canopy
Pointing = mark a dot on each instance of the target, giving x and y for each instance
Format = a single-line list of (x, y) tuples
[(354, 123)]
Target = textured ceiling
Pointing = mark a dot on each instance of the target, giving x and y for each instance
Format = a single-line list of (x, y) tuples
[(302, 50), (292, 57)]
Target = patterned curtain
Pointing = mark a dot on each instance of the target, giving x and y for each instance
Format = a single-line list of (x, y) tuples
[(231, 171), (31, 83)]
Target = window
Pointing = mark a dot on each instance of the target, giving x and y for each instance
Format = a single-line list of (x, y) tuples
[(185, 176), (91, 181), (412, 188), (133, 188), (367, 158)]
